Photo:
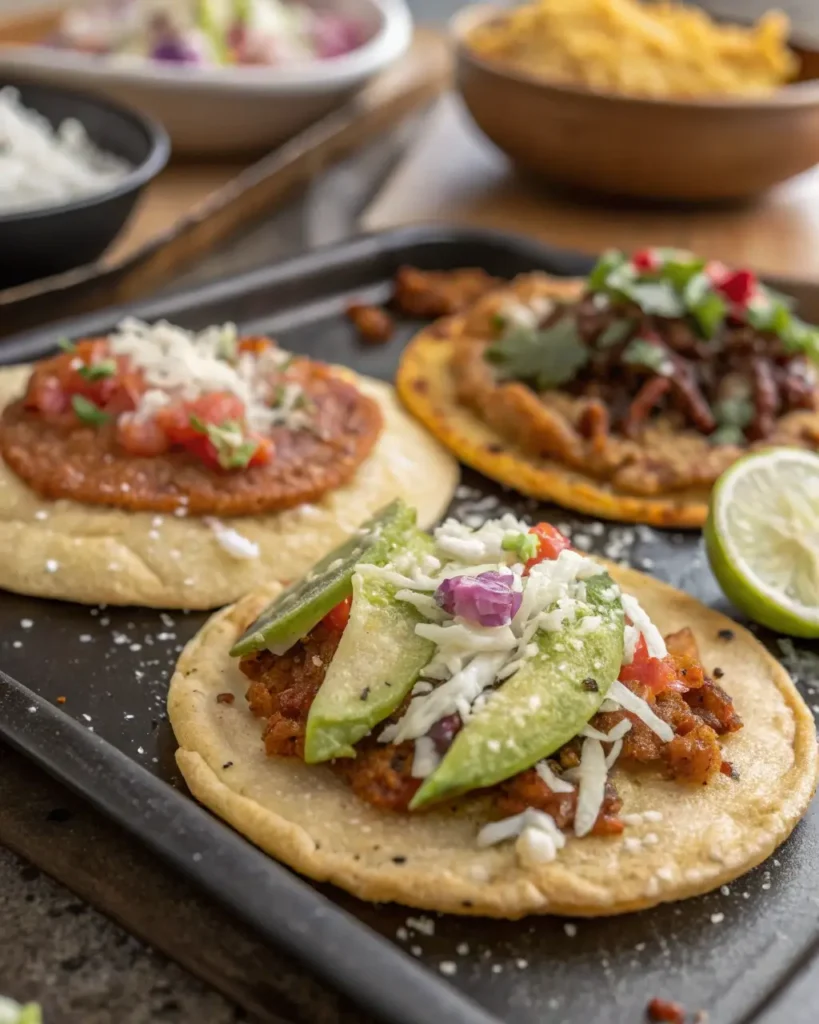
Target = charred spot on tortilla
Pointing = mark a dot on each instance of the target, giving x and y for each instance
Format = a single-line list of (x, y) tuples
[(717, 673), (726, 634), (625, 395)]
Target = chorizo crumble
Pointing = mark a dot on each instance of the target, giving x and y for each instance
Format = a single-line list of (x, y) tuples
[(283, 687)]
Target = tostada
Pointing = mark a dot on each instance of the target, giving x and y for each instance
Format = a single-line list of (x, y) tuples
[(625, 395), (166, 468), (489, 722)]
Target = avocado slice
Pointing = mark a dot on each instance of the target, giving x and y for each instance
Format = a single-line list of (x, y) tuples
[(294, 613), (541, 707), (375, 665)]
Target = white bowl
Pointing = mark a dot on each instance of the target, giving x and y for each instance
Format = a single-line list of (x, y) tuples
[(211, 111)]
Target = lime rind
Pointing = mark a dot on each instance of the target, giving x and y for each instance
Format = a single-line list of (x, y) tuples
[(762, 539)]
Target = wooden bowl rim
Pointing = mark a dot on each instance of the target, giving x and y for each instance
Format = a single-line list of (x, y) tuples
[(791, 96)]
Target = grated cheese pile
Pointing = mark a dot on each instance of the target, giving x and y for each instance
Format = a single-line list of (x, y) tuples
[(43, 167), (179, 364), (471, 661)]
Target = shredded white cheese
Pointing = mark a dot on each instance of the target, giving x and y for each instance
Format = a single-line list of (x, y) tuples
[(591, 786), (425, 759), (622, 695), (652, 636), (510, 828), (554, 782)]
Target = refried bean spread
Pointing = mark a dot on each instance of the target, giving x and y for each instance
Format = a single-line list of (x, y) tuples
[(155, 418)]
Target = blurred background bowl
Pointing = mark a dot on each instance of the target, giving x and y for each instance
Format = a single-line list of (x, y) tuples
[(230, 110), (692, 150), (48, 240)]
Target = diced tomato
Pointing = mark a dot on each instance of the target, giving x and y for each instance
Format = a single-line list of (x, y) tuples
[(338, 618), (46, 395), (550, 543), (216, 408), (657, 674), (141, 436), (646, 261)]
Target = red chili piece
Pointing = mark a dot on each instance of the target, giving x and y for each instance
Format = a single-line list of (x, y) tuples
[(646, 261), (338, 617)]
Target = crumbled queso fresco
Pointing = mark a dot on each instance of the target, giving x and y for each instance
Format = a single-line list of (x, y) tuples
[(470, 659)]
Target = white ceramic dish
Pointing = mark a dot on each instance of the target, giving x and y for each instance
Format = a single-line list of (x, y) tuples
[(211, 111)]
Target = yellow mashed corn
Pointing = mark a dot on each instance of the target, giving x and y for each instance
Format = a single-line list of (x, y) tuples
[(645, 49)]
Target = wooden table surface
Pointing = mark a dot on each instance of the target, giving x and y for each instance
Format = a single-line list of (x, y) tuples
[(455, 174)]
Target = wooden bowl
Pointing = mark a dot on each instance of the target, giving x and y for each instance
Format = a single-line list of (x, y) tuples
[(695, 150)]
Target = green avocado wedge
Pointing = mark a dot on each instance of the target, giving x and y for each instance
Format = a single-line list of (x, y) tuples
[(294, 612), (541, 707), (375, 665)]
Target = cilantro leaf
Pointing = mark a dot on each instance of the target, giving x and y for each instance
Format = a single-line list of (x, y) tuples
[(66, 345), (705, 305), (98, 371), (616, 332), (641, 352), (727, 434), (734, 412), (87, 411), (609, 261), (233, 449), (550, 357)]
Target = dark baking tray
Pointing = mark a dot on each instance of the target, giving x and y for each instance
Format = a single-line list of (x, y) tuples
[(727, 953)]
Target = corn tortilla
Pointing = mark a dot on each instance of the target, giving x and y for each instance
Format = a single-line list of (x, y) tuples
[(98, 555), (426, 386), (305, 816)]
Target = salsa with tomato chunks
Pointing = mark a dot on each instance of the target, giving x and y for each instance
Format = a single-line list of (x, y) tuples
[(85, 430)]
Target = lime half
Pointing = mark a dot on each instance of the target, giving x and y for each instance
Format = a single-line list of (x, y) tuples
[(762, 538)]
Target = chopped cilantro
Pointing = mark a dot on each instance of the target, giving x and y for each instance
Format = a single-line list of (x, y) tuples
[(497, 322), (680, 271), (525, 545), (641, 352), (706, 306), (611, 260), (87, 411), (98, 371), (727, 434), (657, 298), (616, 332), (734, 412), (549, 357), (227, 347), (67, 345), (233, 449)]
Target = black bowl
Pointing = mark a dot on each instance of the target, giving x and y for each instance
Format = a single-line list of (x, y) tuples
[(47, 240)]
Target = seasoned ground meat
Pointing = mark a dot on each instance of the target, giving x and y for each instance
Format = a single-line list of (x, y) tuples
[(529, 790), (282, 689), (84, 463), (433, 293), (381, 774)]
